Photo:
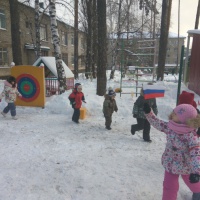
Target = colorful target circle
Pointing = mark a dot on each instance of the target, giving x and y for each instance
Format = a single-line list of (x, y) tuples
[(28, 86)]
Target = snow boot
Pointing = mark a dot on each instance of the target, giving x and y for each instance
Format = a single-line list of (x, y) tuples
[(4, 114), (196, 196), (148, 140), (132, 130), (108, 127), (14, 117)]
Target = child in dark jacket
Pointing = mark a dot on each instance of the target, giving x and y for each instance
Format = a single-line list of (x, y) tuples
[(182, 151), (76, 98), (138, 113), (109, 106)]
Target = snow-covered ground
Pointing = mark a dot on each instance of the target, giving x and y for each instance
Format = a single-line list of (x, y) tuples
[(45, 156)]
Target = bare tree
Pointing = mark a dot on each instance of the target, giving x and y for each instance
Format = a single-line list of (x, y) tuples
[(15, 30), (90, 27), (56, 44), (197, 16), (165, 22), (102, 48), (94, 41), (76, 39), (118, 37), (37, 29)]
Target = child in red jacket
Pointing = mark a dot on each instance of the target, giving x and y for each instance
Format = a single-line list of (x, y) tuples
[(76, 98)]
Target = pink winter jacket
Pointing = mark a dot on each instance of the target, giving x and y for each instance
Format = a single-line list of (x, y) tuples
[(9, 93), (182, 151)]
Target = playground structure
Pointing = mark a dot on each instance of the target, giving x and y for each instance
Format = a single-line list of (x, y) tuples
[(147, 52), (31, 84), (136, 81)]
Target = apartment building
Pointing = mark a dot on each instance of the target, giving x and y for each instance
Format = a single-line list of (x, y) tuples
[(137, 51), (27, 37)]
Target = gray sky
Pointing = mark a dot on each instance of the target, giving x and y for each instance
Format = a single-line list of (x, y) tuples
[(187, 13)]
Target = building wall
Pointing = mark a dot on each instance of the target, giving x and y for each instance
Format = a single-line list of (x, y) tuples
[(172, 46), (5, 40), (27, 33), (194, 69)]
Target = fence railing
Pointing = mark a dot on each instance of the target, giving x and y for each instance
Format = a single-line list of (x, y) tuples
[(52, 85)]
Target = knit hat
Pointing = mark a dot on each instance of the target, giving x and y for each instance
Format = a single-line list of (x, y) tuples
[(76, 85), (185, 112), (187, 98), (111, 93), (110, 88)]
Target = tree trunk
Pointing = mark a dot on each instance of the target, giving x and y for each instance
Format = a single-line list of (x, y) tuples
[(37, 29), (94, 41), (102, 48), (197, 16), (165, 22), (76, 39), (15, 30), (118, 39), (89, 38), (56, 44)]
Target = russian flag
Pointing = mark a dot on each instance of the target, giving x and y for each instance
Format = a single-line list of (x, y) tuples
[(153, 91)]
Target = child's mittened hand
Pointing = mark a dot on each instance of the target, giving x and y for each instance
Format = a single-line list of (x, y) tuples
[(146, 108), (194, 178), (84, 101)]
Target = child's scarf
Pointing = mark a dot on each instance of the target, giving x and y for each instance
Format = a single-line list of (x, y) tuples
[(179, 128)]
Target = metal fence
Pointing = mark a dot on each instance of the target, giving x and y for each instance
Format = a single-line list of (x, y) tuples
[(52, 85)]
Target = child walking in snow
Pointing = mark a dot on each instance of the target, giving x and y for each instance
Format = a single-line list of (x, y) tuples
[(182, 151), (10, 92), (138, 113), (76, 98), (109, 106)]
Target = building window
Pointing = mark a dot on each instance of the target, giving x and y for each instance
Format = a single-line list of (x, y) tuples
[(65, 58), (64, 38), (3, 57), (2, 19), (43, 32), (72, 59), (44, 53), (72, 40)]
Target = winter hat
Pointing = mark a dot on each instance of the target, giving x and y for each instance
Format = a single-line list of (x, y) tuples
[(185, 112), (76, 85), (110, 88), (111, 93), (187, 98)]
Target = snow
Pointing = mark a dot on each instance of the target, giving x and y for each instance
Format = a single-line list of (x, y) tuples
[(50, 62), (45, 156)]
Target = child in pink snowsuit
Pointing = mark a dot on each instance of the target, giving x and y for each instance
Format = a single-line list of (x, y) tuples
[(182, 151)]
